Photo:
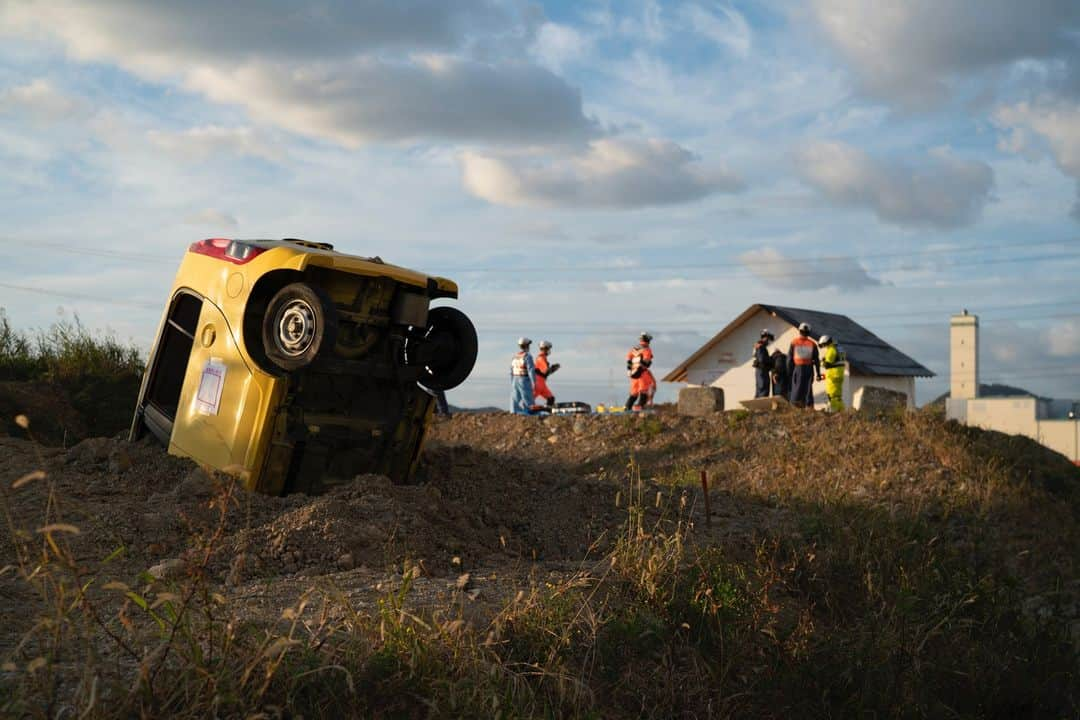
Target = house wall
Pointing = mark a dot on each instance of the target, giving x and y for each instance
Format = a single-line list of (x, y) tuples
[(1062, 436), (1018, 416), (728, 365)]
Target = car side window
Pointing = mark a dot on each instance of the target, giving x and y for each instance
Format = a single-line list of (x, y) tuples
[(173, 352)]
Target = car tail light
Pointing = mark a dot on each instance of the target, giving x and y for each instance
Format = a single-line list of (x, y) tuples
[(234, 251)]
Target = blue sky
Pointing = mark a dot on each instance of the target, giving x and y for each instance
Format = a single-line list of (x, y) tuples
[(584, 170)]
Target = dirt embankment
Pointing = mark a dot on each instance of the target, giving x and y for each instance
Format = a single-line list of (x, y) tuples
[(65, 413), (505, 497)]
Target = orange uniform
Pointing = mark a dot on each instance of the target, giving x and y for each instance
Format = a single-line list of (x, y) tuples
[(642, 382), (543, 369)]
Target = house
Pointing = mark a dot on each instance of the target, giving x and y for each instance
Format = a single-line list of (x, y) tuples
[(725, 361), (1052, 423)]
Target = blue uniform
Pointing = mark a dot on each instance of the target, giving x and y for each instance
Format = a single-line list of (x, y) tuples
[(762, 365), (522, 371)]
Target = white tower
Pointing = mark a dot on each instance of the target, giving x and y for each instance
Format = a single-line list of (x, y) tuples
[(964, 356)]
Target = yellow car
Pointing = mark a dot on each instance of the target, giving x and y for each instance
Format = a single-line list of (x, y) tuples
[(297, 366)]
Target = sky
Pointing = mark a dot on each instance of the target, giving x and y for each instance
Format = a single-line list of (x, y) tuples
[(584, 170)]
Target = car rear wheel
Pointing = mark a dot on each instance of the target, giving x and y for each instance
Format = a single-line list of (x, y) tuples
[(299, 327), (452, 351)]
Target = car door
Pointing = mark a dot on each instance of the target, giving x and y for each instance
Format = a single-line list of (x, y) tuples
[(221, 412)]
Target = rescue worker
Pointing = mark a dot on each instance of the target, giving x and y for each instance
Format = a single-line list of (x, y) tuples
[(805, 365), (522, 370), (762, 364), (833, 360), (642, 382), (780, 375), (544, 370)]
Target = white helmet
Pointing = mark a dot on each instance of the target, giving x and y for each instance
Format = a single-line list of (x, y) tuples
[(804, 328), (524, 342), (824, 340), (545, 344)]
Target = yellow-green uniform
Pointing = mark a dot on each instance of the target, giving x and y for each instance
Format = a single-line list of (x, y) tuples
[(832, 360)]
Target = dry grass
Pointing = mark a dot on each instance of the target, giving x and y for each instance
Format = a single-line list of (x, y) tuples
[(867, 610)]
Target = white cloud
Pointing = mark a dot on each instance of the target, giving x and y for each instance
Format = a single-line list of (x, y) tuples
[(369, 99), (559, 45), (347, 72), (209, 141), (727, 28), (906, 52), (772, 266), (1056, 123), (38, 100), (167, 38), (612, 173), (1063, 340), (939, 191), (213, 218), (619, 287)]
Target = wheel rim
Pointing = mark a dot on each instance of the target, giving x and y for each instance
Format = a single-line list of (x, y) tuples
[(295, 328)]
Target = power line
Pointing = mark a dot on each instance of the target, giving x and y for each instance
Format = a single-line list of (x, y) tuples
[(741, 272), (143, 257), (81, 296), (762, 263), (628, 330)]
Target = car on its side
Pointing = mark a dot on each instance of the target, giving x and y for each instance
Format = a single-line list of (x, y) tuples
[(296, 366)]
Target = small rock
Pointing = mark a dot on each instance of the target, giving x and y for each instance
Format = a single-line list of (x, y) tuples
[(553, 439), (700, 401), (119, 460), (238, 568), (345, 562), (91, 450), (463, 581), (168, 569), (473, 594), (196, 483)]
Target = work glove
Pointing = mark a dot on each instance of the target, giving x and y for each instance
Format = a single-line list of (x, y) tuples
[(553, 368)]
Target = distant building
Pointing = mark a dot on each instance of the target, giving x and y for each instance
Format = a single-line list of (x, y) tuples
[(725, 361), (1053, 423)]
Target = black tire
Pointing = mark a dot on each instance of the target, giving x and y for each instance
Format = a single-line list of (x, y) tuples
[(299, 326), (455, 337)]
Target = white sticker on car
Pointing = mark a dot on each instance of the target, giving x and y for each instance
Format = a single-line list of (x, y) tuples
[(210, 386)]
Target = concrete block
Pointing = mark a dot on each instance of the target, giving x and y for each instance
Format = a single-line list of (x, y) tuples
[(699, 401), (875, 400), (765, 404)]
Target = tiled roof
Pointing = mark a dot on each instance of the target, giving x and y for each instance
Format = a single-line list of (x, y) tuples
[(867, 354)]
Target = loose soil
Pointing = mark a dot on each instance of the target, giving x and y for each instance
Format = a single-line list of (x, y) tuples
[(514, 501)]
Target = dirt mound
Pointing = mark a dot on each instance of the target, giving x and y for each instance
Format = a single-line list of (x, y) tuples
[(55, 421), (503, 492), (62, 414), (802, 449)]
